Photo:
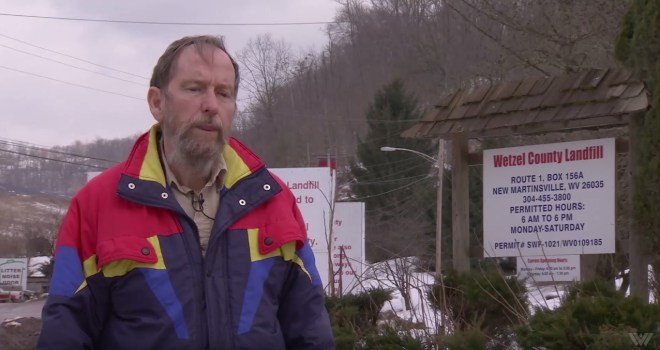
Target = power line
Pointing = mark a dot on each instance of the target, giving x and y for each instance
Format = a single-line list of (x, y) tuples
[(391, 206), (402, 170), (237, 24), (402, 209), (70, 83), (53, 159), (316, 116), (21, 143), (415, 161), (18, 144), (73, 57), (390, 191), (72, 66), (361, 183)]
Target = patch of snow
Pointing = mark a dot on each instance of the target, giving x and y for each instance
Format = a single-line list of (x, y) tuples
[(50, 207), (618, 280), (547, 297)]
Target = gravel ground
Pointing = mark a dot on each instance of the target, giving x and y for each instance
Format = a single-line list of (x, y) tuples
[(20, 324), (20, 334)]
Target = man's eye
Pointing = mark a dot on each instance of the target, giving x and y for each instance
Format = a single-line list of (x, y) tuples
[(193, 89)]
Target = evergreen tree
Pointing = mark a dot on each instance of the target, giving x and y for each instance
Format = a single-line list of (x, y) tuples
[(639, 48), (397, 187)]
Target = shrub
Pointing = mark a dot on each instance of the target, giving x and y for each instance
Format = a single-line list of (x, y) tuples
[(354, 316), (471, 338), (359, 311), (355, 324), (593, 315), (487, 298), (392, 338)]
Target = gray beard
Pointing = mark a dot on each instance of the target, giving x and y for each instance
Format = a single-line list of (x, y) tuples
[(198, 164), (185, 153)]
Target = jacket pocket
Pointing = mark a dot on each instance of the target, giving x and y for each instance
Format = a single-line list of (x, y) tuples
[(117, 256), (278, 233)]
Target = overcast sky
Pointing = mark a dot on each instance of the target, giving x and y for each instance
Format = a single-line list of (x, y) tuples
[(46, 112)]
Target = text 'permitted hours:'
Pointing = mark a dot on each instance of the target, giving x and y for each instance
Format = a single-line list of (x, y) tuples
[(550, 199)]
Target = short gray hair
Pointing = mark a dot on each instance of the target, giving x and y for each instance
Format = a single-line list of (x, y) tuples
[(164, 67)]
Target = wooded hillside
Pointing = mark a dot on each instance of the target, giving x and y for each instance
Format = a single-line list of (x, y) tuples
[(302, 107)]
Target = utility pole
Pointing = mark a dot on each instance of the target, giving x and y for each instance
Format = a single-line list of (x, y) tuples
[(438, 207), (460, 204)]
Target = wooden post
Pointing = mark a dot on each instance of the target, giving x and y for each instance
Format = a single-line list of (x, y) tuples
[(639, 280), (341, 270), (460, 204), (588, 265)]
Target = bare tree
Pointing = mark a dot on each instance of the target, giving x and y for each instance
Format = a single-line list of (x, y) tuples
[(545, 37), (269, 66)]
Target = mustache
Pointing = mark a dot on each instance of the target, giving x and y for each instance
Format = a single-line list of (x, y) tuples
[(205, 122)]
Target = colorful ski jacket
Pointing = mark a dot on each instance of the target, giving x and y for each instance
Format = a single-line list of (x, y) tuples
[(129, 272)]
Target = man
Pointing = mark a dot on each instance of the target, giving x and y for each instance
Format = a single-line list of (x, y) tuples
[(191, 243)]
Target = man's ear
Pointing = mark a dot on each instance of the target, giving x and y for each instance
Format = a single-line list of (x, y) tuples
[(155, 97)]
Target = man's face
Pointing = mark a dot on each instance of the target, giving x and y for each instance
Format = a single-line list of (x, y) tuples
[(197, 107)]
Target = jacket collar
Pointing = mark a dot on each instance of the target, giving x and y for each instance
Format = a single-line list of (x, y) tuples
[(144, 161)]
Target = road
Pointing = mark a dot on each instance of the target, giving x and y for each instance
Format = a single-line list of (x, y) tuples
[(27, 309)]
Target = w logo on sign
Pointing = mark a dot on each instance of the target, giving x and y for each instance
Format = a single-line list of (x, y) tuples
[(640, 339)]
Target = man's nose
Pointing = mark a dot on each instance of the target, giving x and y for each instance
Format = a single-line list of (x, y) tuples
[(210, 103)]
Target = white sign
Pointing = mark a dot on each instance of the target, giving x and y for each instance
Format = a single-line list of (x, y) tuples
[(13, 272), (348, 246), (313, 189), (559, 268), (553, 199)]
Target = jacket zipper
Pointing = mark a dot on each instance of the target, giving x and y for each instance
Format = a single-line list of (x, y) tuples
[(230, 337), (199, 297), (199, 277)]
